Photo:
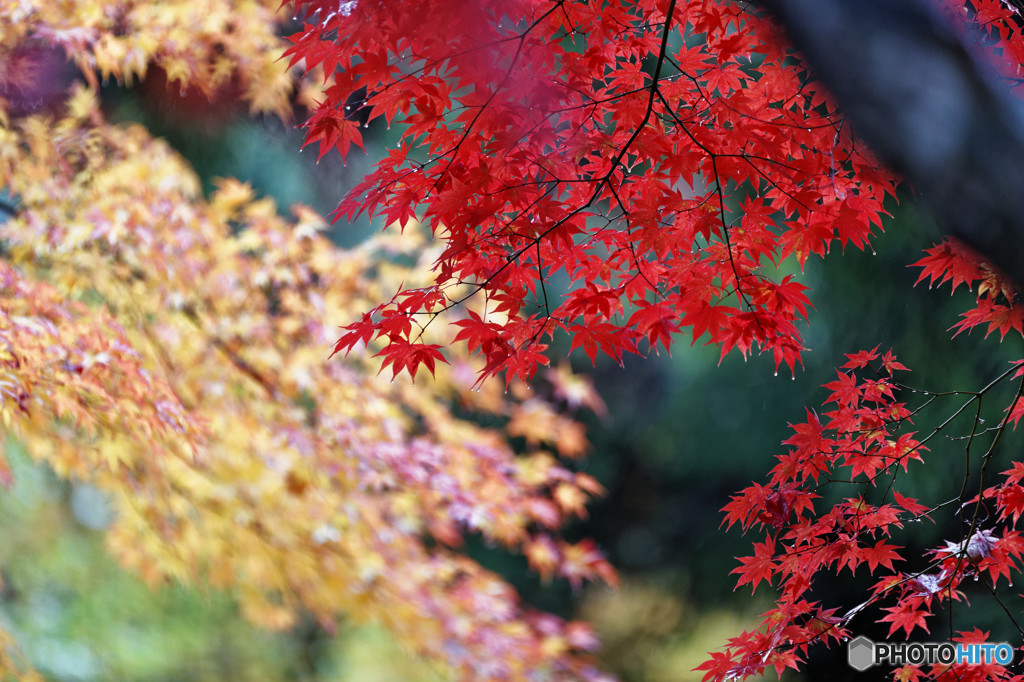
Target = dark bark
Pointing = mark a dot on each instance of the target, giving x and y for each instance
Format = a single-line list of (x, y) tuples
[(919, 92)]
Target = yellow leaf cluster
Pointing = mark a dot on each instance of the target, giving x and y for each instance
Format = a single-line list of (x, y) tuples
[(205, 45)]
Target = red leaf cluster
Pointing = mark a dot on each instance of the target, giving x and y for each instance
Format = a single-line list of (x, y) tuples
[(859, 439), (996, 306), (660, 181)]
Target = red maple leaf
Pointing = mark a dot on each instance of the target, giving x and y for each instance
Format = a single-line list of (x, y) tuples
[(906, 615), (401, 355), (759, 567)]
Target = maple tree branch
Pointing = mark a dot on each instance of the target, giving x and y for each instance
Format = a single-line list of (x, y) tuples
[(999, 600), (966, 563), (521, 38), (239, 362), (916, 90), (662, 53), (604, 181), (728, 242), (987, 457), (540, 278)]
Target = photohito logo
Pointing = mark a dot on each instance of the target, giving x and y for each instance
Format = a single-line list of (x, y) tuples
[(862, 653)]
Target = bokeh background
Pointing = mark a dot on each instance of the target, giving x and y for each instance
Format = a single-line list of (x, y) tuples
[(681, 434)]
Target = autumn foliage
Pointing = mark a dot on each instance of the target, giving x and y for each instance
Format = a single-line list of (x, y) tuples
[(171, 349), (619, 174), (624, 173), (537, 149)]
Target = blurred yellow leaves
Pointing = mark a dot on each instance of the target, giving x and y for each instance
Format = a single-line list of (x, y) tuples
[(537, 422), (206, 45)]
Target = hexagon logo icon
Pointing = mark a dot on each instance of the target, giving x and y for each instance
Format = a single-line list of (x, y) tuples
[(860, 653)]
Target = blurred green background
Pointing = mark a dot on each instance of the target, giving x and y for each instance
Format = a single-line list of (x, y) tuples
[(682, 434)]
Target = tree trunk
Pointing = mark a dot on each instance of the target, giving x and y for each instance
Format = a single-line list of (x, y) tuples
[(920, 93)]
